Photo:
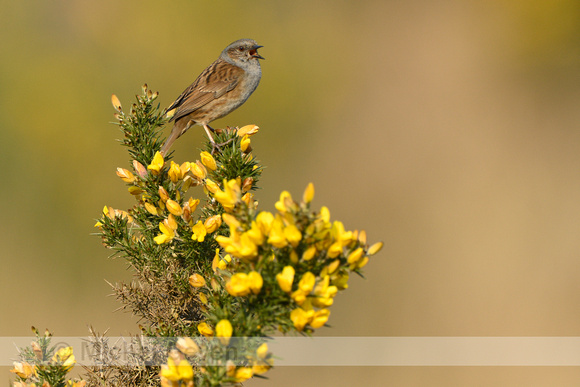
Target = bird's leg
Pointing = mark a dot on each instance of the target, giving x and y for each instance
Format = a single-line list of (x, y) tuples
[(208, 130)]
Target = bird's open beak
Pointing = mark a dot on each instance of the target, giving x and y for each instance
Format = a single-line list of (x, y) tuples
[(254, 52)]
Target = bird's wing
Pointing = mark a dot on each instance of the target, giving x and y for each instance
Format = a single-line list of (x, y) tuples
[(215, 81)]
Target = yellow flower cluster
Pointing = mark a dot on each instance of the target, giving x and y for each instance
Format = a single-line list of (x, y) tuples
[(178, 371), (62, 360), (259, 363), (284, 266), (305, 238), (182, 177)]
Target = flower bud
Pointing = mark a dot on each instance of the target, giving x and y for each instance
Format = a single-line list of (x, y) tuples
[(125, 175), (375, 248), (212, 223), (196, 280), (245, 144), (174, 207), (247, 184), (308, 193), (208, 161), (187, 345), (140, 169), (163, 194), (198, 170), (248, 130), (116, 103)]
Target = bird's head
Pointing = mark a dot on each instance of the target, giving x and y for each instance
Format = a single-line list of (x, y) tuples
[(241, 52)]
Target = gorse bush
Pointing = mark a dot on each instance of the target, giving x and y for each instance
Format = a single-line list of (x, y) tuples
[(212, 271)]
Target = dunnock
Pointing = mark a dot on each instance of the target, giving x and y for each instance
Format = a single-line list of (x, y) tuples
[(218, 90)]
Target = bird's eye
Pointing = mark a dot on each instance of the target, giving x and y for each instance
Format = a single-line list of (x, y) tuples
[(240, 48)]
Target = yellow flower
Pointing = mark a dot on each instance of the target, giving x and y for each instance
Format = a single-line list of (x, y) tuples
[(65, 357), (184, 168), (212, 223), (306, 283), (192, 204), (167, 227), (151, 208), (298, 296), (362, 263), (243, 374), (292, 235), (229, 196), (285, 202), (202, 298), (255, 281), (294, 257), (334, 250), (300, 318), (174, 172), (208, 160), (309, 253), (255, 234), (285, 278), (325, 214), (339, 234), (224, 331), (247, 249), (259, 369), (245, 143), (196, 280), (355, 255), (163, 237), (174, 373), (262, 351), (238, 285), (156, 164), (276, 236), (333, 266), (248, 130), (23, 370), (187, 346), (205, 329), (170, 222), (341, 281), (199, 232), (308, 193), (320, 318), (198, 170), (305, 286), (231, 220), (264, 221), (125, 175), (174, 207), (220, 263), (324, 293), (375, 248), (211, 186)]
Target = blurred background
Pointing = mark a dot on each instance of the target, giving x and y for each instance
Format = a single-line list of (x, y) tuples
[(449, 130)]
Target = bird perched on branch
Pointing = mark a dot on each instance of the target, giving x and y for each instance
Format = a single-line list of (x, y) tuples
[(220, 89)]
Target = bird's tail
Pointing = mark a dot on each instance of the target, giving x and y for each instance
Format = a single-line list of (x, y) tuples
[(174, 135)]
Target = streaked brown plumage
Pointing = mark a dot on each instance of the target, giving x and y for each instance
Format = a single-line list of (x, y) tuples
[(218, 90)]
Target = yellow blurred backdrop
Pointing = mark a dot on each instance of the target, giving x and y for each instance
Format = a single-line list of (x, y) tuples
[(449, 130)]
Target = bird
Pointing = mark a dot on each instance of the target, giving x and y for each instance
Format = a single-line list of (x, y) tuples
[(220, 89)]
